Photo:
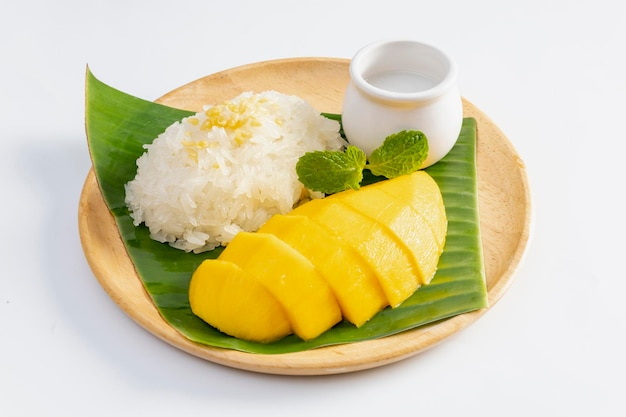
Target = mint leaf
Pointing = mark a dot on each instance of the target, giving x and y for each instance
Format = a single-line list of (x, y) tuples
[(332, 171), (401, 153)]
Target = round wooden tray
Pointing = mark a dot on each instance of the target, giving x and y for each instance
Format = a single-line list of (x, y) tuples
[(505, 218)]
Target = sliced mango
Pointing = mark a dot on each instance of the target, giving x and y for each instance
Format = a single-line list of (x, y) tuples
[(346, 256), (307, 298), (410, 227), (236, 303), (351, 278), (386, 254), (420, 191)]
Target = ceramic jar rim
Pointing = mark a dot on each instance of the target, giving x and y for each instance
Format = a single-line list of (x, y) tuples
[(373, 54)]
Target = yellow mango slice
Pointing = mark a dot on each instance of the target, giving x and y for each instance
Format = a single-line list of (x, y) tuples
[(308, 300), (381, 248), (346, 256), (236, 303), (420, 191), (351, 278), (409, 226)]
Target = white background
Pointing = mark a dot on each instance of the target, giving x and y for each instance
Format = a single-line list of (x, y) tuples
[(550, 73)]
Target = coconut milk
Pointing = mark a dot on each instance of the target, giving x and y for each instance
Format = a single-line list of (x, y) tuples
[(400, 81)]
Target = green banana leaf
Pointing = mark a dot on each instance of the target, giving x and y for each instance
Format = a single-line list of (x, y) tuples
[(118, 125)]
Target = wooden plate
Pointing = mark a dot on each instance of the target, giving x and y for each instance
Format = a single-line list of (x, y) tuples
[(505, 217)]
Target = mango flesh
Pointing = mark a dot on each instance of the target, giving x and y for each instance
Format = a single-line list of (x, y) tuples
[(382, 249), (221, 292), (351, 278), (420, 192), (409, 226), (306, 297), (345, 256)]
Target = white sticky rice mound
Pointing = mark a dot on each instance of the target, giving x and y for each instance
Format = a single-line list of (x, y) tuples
[(226, 169)]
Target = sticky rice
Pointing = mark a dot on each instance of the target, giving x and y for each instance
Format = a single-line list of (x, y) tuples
[(226, 169)]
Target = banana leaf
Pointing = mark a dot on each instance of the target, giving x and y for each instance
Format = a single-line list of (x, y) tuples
[(118, 125)]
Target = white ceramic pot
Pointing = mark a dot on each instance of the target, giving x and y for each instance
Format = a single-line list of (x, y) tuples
[(402, 85)]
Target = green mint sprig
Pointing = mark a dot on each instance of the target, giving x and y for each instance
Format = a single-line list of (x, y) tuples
[(331, 172)]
